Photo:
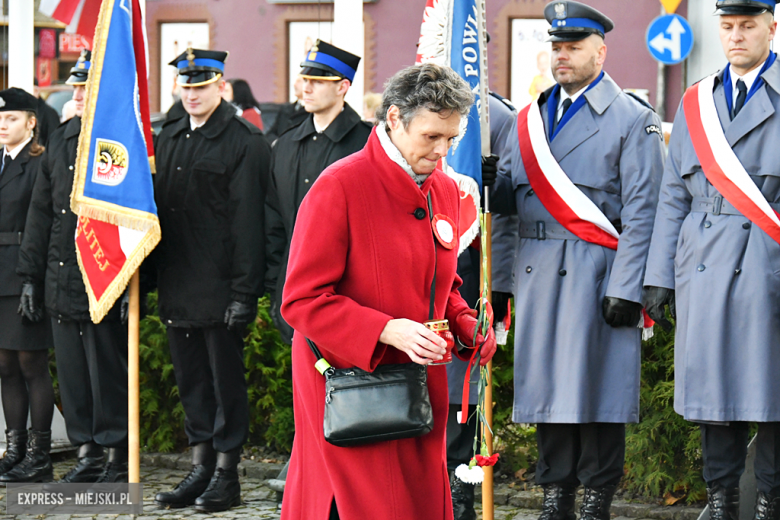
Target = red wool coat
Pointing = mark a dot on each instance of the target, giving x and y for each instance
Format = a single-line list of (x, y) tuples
[(358, 259)]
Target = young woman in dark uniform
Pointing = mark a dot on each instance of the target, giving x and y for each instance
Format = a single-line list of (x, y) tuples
[(24, 365)]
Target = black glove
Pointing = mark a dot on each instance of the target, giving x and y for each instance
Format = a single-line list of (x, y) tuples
[(124, 309), (656, 298), (500, 305), (620, 313), (30, 302), (489, 170), (239, 314)]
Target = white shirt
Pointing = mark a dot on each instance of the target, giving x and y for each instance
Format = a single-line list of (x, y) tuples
[(194, 125), (13, 153), (748, 78), (563, 96)]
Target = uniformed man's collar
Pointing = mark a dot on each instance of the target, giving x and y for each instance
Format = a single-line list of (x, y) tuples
[(336, 131), (602, 95), (771, 76), (73, 127), (215, 124)]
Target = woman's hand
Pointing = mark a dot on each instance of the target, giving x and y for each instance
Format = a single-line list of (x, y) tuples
[(423, 346)]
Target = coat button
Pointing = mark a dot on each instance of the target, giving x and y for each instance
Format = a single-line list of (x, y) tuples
[(530, 193), (746, 225), (64, 211), (701, 268), (419, 213), (70, 167), (528, 269), (178, 168), (61, 264), (562, 272), (188, 136), (314, 138), (306, 181), (169, 322), (707, 224), (737, 271)]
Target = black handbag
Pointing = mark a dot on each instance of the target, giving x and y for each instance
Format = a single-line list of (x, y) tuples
[(390, 403)]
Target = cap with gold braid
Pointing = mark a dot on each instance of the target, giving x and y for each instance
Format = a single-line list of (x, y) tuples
[(199, 67), (80, 73), (327, 62)]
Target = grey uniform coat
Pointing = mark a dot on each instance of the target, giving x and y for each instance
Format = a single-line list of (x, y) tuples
[(570, 366), (725, 271)]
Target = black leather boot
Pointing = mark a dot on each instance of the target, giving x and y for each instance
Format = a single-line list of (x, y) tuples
[(36, 464), (767, 506), (596, 502), (558, 502), (15, 447), (224, 491), (204, 460), (89, 466), (723, 502), (115, 469), (462, 499)]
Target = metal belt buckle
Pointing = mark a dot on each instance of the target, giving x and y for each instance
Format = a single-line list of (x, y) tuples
[(717, 204), (541, 232)]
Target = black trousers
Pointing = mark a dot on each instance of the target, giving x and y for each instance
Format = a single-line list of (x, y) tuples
[(460, 437), (209, 368), (724, 448), (92, 374), (590, 454)]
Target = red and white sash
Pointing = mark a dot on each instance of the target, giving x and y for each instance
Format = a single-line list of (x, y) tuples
[(718, 161), (565, 201)]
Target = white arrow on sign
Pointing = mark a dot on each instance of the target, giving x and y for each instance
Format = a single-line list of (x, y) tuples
[(661, 44)]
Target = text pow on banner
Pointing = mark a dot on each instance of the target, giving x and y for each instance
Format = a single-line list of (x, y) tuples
[(450, 35), (112, 188)]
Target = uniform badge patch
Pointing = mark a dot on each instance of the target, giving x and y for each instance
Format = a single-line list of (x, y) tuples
[(654, 129), (444, 229), (560, 11), (111, 160)]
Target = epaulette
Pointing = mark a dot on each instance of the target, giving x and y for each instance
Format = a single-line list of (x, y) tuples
[(504, 100), (639, 100)]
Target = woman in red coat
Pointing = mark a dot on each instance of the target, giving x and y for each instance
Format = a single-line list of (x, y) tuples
[(358, 285)]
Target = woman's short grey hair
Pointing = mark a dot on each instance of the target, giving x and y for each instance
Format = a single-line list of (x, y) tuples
[(427, 86)]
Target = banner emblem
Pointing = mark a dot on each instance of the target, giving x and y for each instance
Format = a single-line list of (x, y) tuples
[(111, 162)]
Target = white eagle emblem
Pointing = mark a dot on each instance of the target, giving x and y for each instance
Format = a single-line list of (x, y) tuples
[(2, 102), (431, 47), (560, 11)]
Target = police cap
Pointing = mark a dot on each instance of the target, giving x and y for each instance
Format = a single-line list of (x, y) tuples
[(80, 73), (327, 62), (17, 99), (572, 21), (198, 67), (744, 7)]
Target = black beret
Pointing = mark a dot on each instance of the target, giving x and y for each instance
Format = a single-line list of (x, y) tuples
[(17, 99)]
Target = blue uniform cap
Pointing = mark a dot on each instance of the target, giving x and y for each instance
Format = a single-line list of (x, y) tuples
[(327, 62), (573, 21), (80, 73), (198, 67), (744, 7)]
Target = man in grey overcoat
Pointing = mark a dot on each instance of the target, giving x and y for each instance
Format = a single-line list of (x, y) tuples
[(722, 272), (577, 303)]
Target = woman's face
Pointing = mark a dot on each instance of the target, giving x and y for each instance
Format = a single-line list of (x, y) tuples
[(15, 127), (227, 94), (426, 139)]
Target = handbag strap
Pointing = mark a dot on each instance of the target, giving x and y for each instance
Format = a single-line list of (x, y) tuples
[(322, 364)]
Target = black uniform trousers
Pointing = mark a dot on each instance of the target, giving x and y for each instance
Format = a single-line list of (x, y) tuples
[(209, 368), (591, 454), (724, 449), (92, 375)]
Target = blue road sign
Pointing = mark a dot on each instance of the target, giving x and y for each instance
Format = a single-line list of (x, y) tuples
[(670, 39)]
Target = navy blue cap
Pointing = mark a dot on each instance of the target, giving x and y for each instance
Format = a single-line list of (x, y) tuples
[(572, 21), (198, 67), (327, 62), (17, 99), (744, 7), (80, 73)]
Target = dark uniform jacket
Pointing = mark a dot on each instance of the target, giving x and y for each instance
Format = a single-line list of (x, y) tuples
[(48, 252), (210, 188), (289, 116), (16, 186), (48, 121), (299, 156)]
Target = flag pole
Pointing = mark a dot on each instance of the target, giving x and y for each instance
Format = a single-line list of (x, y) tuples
[(484, 120), (133, 406)]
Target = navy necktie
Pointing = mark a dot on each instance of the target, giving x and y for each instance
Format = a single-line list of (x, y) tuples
[(566, 106), (740, 102)]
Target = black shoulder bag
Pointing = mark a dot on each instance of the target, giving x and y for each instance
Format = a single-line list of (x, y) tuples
[(392, 402)]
